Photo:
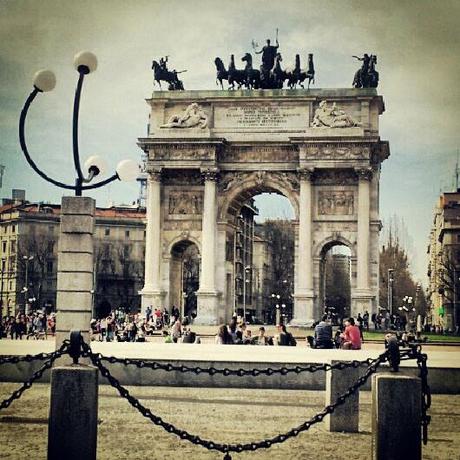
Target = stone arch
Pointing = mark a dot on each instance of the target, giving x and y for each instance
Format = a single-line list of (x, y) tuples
[(333, 240), (183, 239), (237, 188), (183, 288)]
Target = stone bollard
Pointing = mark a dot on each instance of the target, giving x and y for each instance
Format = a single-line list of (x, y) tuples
[(75, 267), (346, 416), (396, 417), (72, 428)]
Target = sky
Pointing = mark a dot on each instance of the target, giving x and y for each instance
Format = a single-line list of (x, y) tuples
[(417, 43)]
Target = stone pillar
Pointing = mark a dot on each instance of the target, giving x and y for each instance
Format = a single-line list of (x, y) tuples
[(151, 293), (72, 426), (75, 267), (362, 295), (303, 296), (396, 417), (346, 416), (207, 293)]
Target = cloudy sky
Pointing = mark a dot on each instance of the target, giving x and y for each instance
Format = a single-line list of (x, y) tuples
[(417, 43)]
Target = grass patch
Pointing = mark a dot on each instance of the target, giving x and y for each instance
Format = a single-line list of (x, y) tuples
[(377, 335)]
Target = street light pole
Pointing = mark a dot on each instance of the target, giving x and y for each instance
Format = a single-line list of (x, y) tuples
[(246, 269), (390, 290), (27, 259)]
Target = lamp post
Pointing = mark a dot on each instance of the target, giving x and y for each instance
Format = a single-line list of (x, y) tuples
[(390, 291), (246, 270), (276, 298), (25, 289), (77, 213)]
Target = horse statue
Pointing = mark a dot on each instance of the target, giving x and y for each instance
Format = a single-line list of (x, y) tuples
[(252, 75), (277, 74), (366, 76), (160, 73), (298, 75), (222, 73), (235, 75)]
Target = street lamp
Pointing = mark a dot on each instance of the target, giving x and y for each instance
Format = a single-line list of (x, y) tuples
[(247, 269), (390, 290), (276, 298), (25, 289), (44, 81)]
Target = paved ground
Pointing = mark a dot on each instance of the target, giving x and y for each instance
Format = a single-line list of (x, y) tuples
[(225, 415)]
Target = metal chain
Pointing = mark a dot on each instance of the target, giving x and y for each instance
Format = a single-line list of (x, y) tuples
[(36, 375), (25, 358), (155, 365), (426, 394), (227, 448)]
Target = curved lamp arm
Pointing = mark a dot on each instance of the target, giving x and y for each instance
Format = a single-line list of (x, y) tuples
[(102, 183), (76, 109), (22, 141)]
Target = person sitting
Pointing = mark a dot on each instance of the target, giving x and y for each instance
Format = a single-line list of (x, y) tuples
[(262, 339), (223, 336), (284, 337), (190, 337), (351, 336), (323, 335)]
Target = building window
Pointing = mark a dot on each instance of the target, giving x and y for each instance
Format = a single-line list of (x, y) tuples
[(107, 232), (49, 266), (126, 233), (3, 265), (51, 246), (3, 246), (13, 246), (13, 228)]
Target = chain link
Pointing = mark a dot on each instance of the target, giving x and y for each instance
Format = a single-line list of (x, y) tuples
[(155, 365), (97, 359), (51, 357)]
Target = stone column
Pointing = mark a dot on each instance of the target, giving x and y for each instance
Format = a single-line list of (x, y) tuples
[(207, 294), (75, 267), (151, 293), (303, 306), (362, 296)]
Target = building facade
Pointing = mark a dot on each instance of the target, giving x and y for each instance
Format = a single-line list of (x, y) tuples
[(444, 262), (29, 235)]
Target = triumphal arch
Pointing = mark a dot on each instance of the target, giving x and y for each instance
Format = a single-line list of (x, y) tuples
[(211, 151)]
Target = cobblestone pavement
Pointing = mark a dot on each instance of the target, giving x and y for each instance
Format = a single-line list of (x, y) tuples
[(226, 415)]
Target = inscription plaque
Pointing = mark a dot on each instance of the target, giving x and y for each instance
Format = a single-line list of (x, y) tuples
[(262, 116)]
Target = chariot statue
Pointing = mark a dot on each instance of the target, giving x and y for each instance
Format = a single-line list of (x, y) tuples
[(161, 73)]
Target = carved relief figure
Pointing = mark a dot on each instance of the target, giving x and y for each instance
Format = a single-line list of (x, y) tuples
[(332, 117), (330, 203), (193, 116), (185, 203)]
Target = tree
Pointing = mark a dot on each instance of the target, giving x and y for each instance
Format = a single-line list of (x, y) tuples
[(280, 233), (394, 257), (449, 273)]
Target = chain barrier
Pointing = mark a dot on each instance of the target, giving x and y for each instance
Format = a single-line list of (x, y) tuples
[(77, 348), (50, 358)]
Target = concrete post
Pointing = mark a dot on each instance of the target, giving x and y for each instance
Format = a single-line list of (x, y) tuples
[(75, 267), (396, 417), (346, 416), (72, 427)]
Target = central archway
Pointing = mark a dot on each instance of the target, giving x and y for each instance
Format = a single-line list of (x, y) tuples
[(251, 276), (184, 276)]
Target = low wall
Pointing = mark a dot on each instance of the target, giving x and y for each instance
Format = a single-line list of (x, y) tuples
[(441, 380)]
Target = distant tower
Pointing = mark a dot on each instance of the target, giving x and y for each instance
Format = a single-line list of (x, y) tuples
[(142, 179)]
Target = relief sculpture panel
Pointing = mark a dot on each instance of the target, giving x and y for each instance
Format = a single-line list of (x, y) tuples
[(181, 203), (335, 202)]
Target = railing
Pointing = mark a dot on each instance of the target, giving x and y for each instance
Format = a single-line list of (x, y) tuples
[(76, 348)]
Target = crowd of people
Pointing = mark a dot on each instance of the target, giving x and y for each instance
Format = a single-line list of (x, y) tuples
[(34, 325)]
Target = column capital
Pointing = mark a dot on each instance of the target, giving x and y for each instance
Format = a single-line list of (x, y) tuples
[(155, 176), (210, 174), (364, 173), (306, 174)]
